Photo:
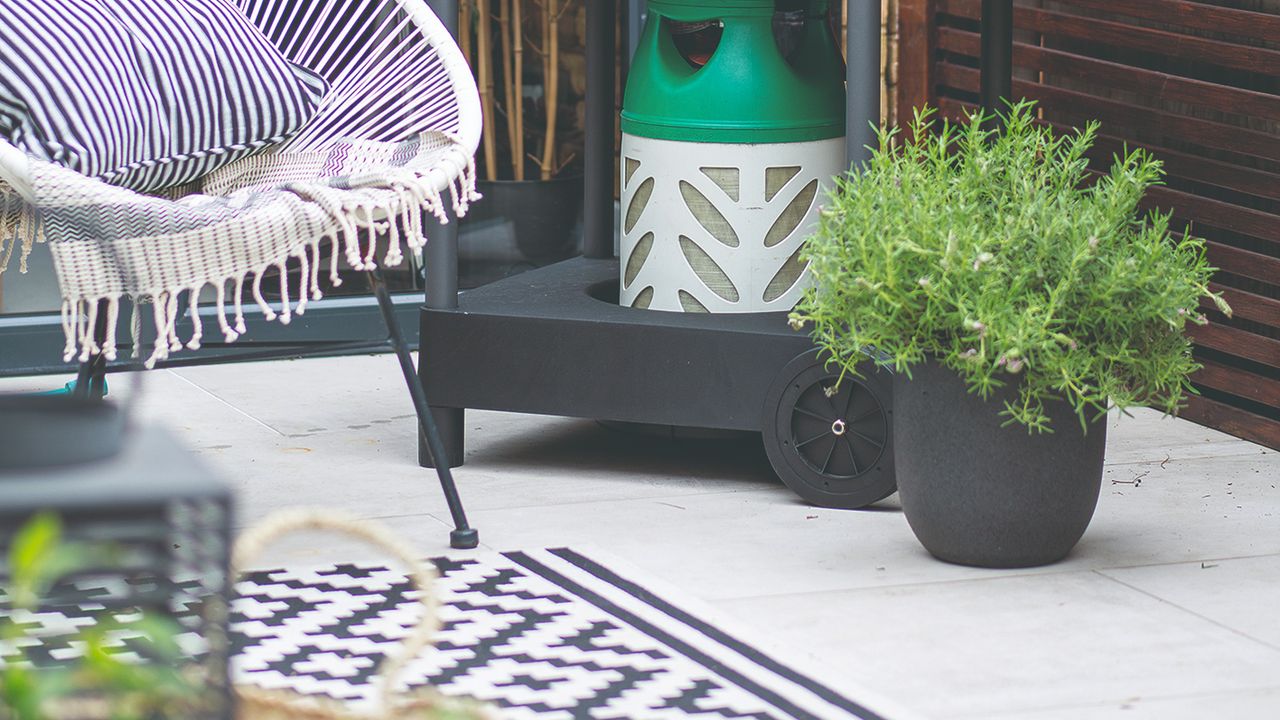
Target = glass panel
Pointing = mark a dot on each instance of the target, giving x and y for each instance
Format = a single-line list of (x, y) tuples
[(36, 291)]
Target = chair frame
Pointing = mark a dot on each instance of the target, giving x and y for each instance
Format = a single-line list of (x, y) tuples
[(91, 376)]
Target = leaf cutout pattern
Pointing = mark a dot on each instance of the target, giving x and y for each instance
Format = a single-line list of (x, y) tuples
[(775, 178), (635, 263), (643, 299), (710, 273), (728, 179), (707, 215), (787, 276), (690, 303), (632, 165), (638, 203), (791, 217)]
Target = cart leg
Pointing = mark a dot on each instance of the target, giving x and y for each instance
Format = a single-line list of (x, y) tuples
[(598, 149), (463, 535), (441, 266), (450, 422), (441, 279)]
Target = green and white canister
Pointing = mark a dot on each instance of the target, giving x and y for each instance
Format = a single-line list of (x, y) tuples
[(733, 128)]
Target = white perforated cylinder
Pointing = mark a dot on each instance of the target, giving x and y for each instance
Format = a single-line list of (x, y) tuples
[(709, 227)]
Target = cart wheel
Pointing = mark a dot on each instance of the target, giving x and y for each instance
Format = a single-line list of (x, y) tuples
[(833, 450)]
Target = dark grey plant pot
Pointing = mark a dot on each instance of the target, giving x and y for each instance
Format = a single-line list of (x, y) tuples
[(976, 493), (543, 214)]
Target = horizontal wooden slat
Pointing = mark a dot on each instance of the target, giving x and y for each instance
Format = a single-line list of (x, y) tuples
[(1160, 87), (1192, 16), (1104, 32), (1164, 124), (1202, 170), (1238, 382), (1235, 421), (1247, 305), (1245, 263), (1237, 342), (1216, 213)]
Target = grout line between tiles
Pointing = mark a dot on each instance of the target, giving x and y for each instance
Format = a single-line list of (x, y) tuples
[(997, 575), (1022, 713), (215, 396), (1170, 603), (1188, 561), (654, 499), (1257, 451)]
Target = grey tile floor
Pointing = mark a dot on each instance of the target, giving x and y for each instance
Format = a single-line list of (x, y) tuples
[(1169, 608)]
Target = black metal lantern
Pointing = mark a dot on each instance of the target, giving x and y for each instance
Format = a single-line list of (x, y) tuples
[(159, 527)]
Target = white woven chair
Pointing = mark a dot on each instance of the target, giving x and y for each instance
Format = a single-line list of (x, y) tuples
[(394, 138)]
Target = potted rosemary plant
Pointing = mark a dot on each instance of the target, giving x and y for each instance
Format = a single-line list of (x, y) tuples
[(1018, 296)]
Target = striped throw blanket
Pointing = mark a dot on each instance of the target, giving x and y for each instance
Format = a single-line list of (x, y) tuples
[(249, 217)]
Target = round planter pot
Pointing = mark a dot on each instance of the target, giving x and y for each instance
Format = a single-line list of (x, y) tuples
[(542, 214), (48, 430), (976, 493)]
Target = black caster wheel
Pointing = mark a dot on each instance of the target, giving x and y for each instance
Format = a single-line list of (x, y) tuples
[(831, 446)]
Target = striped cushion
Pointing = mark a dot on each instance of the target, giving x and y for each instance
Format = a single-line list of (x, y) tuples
[(145, 94)]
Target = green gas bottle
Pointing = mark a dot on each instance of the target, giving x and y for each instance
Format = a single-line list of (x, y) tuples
[(733, 126)]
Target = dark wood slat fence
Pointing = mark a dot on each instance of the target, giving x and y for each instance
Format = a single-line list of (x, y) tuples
[(1198, 83)]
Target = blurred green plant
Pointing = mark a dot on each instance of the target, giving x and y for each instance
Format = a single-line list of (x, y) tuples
[(99, 684), (1001, 255)]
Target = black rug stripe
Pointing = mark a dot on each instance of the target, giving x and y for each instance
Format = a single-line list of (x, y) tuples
[(654, 631), (659, 603)]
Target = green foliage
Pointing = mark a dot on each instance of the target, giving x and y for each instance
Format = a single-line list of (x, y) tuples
[(38, 558), (1000, 255)]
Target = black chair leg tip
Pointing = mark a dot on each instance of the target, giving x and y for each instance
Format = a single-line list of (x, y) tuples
[(464, 539)]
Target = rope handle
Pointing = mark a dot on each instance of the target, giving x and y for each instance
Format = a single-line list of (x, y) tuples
[(253, 541)]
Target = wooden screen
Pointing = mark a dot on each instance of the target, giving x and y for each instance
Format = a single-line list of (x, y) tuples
[(1198, 83)]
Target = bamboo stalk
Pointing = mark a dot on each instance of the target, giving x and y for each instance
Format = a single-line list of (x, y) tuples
[(508, 85), (550, 82), (464, 31), (485, 68), (517, 73)]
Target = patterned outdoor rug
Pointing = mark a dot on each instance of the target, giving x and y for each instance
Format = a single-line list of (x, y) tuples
[(544, 634), (539, 634)]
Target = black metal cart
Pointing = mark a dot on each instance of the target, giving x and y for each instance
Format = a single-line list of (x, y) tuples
[(555, 341)]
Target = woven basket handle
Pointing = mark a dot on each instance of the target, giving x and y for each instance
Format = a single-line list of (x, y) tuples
[(253, 541)]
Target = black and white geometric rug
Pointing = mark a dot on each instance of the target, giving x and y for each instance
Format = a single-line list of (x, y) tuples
[(540, 634), (545, 634)]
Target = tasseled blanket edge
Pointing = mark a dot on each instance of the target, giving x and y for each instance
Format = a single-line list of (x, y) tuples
[(357, 220), (20, 229)]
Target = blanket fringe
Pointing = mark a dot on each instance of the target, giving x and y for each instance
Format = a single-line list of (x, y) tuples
[(359, 217), (20, 229)]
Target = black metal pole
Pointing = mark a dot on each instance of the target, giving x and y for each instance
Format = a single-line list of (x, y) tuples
[(440, 258), (996, 60), (862, 77), (440, 275), (463, 536), (598, 153)]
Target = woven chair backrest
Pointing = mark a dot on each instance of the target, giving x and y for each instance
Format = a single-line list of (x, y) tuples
[(393, 68)]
